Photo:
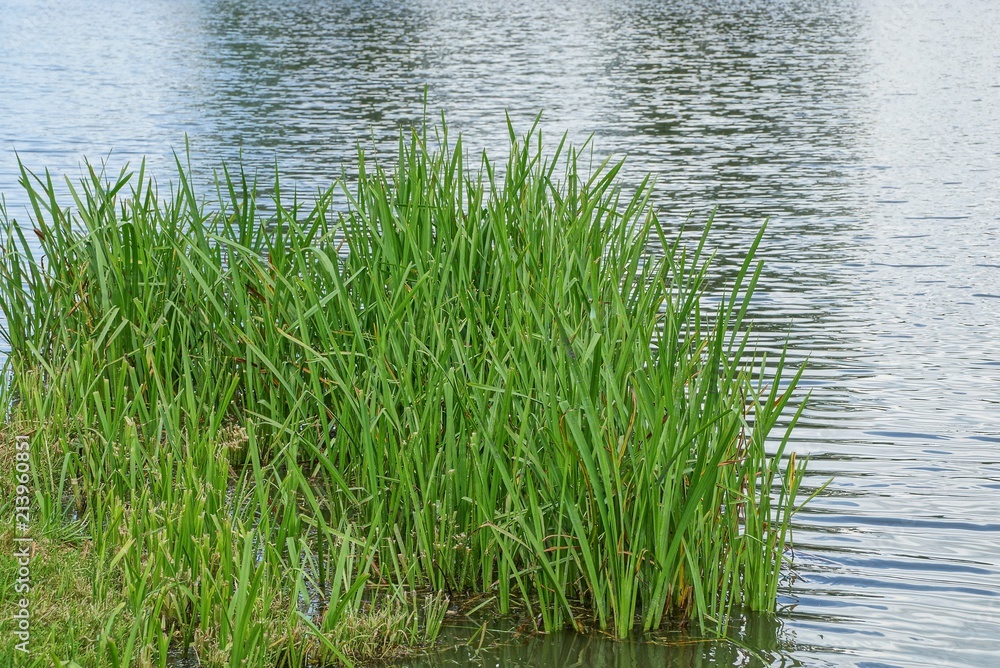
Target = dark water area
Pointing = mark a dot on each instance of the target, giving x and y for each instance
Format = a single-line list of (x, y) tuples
[(868, 131), (751, 643)]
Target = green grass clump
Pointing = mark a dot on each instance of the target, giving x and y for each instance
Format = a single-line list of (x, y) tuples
[(266, 430)]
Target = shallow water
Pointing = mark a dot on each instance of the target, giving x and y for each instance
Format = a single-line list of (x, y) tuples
[(867, 130)]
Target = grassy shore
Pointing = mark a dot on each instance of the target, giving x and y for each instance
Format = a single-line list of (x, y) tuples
[(307, 436)]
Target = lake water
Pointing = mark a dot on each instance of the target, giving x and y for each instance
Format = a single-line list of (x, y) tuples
[(867, 130)]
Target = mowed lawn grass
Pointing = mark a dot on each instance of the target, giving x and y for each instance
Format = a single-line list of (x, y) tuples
[(302, 436)]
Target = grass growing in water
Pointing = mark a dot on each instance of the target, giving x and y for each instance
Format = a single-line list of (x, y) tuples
[(296, 439)]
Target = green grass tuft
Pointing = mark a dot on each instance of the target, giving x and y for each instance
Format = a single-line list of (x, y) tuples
[(280, 437)]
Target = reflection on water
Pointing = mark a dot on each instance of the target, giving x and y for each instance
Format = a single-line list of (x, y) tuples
[(865, 129), (753, 643)]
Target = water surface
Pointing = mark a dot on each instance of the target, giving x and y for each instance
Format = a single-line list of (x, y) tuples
[(867, 130)]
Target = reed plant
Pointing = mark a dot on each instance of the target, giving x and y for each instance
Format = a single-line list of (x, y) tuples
[(301, 435)]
